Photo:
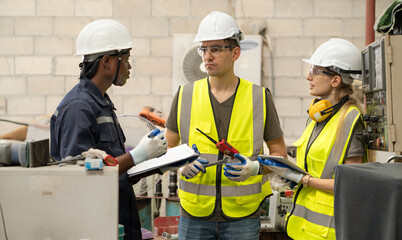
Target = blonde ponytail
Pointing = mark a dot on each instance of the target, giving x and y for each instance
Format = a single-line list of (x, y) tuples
[(354, 100)]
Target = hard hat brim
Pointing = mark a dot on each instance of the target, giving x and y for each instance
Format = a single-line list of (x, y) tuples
[(315, 63)]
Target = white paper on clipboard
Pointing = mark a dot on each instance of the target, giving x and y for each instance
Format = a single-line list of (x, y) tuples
[(284, 161), (173, 155)]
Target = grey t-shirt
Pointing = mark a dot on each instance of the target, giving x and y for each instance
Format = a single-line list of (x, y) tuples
[(222, 112)]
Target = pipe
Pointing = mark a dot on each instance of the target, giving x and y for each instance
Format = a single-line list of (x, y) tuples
[(370, 18), (173, 183), (158, 194), (395, 157)]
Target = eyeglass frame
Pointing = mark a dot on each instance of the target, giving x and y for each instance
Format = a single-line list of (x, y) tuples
[(202, 51), (318, 71)]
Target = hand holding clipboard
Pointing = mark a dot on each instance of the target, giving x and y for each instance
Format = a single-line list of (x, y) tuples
[(283, 167)]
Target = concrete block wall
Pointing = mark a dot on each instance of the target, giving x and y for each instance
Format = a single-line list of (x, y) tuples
[(37, 45)]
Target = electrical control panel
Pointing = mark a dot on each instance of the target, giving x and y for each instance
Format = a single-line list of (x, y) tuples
[(382, 85)]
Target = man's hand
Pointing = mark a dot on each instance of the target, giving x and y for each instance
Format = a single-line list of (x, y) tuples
[(282, 170), (193, 169), (240, 172), (152, 145), (97, 153)]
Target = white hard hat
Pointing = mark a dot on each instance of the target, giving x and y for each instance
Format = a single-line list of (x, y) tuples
[(216, 26), (340, 56), (103, 37)]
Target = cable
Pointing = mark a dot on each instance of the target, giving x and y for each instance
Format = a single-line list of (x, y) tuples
[(19, 123), (4, 223)]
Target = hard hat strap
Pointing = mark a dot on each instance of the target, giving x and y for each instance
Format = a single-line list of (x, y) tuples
[(339, 70), (118, 68)]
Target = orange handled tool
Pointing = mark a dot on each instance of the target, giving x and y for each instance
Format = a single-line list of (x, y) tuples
[(153, 115)]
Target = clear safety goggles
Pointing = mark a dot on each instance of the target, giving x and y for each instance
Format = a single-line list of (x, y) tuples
[(213, 50), (314, 71)]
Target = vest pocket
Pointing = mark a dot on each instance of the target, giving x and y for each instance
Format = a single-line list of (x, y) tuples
[(107, 135), (325, 201), (202, 142), (320, 231), (316, 164), (244, 146), (299, 145)]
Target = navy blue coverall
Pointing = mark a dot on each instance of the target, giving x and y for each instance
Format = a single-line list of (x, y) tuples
[(86, 119)]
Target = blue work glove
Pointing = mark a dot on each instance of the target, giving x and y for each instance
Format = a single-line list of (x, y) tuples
[(240, 172), (152, 145), (191, 170), (282, 170), (176, 165)]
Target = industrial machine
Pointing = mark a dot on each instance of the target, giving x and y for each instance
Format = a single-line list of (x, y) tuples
[(382, 73), (381, 178), (278, 206)]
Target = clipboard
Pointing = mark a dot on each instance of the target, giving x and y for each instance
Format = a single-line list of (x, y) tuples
[(284, 161), (173, 155)]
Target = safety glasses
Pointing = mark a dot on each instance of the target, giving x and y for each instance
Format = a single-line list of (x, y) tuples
[(213, 50), (314, 71)]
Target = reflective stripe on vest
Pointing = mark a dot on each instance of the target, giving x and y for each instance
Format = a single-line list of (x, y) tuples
[(314, 217), (197, 195), (312, 210), (227, 191), (330, 164)]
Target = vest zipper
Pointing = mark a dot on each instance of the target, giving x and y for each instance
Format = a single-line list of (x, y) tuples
[(218, 183), (306, 167)]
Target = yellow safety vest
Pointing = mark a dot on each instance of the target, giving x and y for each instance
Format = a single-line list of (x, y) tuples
[(312, 213), (247, 121)]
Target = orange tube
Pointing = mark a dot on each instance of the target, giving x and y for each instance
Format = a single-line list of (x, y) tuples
[(370, 15)]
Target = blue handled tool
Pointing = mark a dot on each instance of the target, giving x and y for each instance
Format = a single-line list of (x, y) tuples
[(225, 160)]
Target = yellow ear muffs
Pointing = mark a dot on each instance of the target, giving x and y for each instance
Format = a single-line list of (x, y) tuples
[(320, 109), (317, 109)]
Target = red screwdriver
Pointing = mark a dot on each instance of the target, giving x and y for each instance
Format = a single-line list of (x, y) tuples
[(222, 145)]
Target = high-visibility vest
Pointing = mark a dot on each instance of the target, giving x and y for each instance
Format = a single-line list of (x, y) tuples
[(246, 130), (312, 213)]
